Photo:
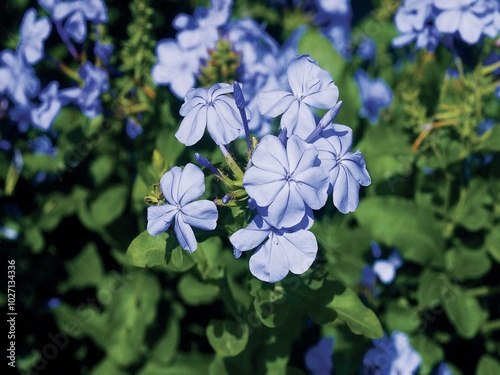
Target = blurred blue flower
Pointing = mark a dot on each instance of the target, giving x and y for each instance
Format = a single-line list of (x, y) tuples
[(442, 369), (278, 251), (9, 233), (88, 97), (367, 49), (347, 170), (285, 180), (103, 51), (181, 187), (467, 17), (335, 19), (392, 356), (386, 269), (133, 128), (75, 14), (17, 79), (42, 145), (33, 33), (176, 67), (414, 20), (43, 116), (212, 109), (375, 95), (318, 358), (200, 31), (311, 87)]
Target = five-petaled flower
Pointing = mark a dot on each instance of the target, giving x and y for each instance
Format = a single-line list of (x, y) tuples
[(181, 187), (311, 86), (285, 180)]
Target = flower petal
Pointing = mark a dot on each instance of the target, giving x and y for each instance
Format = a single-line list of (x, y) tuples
[(191, 184), (160, 218), (185, 234), (201, 214), (274, 103), (345, 191), (252, 236), (192, 126), (169, 184)]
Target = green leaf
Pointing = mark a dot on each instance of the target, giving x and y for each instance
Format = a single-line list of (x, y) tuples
[(226, 337), (432, 289), (271, 307), (490, 141), (471, 211), (147, 251), (107, 367), (196, 293), (398, 316), (56, 207), (360, 319), (463, 264), (488, 365), (321, 49), (390, 218), (431, 353), (101, 169), (109, 205), (85, 270), (493, 243), (464, 312), (33, 237)]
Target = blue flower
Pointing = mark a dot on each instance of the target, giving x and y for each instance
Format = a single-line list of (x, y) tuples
[(17, 79), (75, 15), (442, 369), (181, 187), (285, 180), (375, 95), (176, 67), (392, 356), (44, 115), (467, 17), (319, 357), (200, 31), (212, 109), (414, 20), (88, 97), (347, 170), (278, 251), (33, 33), (311, 87), (133, 128), (335, 16), (386, 269), (367, 49)]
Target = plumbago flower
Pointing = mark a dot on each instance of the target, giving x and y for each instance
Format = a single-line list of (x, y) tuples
[(311, 87), (212, 109), (375, 95), (43, 116), (181, 187), (285, 180), (392, 356), (347, 170), (286, 176), (278, 250), (75, 15), (318, 358), (33, 33)]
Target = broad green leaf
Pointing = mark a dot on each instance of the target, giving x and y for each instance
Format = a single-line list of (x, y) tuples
[(226, 337), (432, 289), (322, 50), (401, 223), (464, 312), (399, 315), (490, 141), (130, 309), (192, 363), (471, 211), (488, 365), (431, 352), (493, 243), (271, 307), (85, 270), (109, 205), (146, 250), (196, 293), (101, 169), (360, 319), (108, 367), (462, 264), (166, 348), (33, 237), (56, 207)]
